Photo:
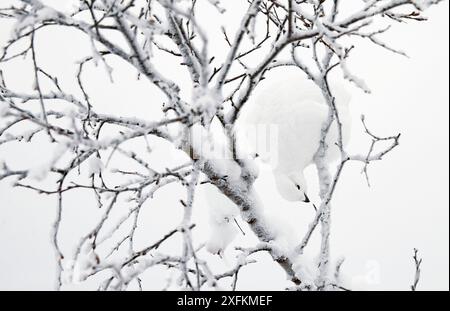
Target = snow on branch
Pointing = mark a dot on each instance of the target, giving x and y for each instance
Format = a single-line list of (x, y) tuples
[(417, 264), (87, 141)]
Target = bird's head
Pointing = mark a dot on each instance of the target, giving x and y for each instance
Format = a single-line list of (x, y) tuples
[(292, 187)]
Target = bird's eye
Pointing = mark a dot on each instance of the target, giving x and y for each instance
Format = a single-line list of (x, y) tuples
[(298, 187)]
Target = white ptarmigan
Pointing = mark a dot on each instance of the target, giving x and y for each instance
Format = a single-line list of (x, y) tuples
[(295, 110), (222, 221)]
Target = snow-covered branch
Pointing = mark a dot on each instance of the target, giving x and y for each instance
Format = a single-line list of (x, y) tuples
[(87, 141)]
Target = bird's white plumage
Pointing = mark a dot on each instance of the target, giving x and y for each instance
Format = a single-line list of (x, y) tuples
[(283, 126), (296, 110), (222, 214)]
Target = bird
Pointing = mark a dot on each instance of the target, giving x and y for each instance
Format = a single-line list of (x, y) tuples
[(222, 214), (283, 125)]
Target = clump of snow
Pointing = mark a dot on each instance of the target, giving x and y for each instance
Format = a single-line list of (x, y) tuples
[(226, 167), (305, 270), (285, 238), (205, 104), (251, 166)]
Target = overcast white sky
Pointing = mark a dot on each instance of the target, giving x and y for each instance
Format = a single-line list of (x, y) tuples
[(375, 228)]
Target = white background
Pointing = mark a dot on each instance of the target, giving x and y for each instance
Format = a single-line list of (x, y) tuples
[(375, 228)]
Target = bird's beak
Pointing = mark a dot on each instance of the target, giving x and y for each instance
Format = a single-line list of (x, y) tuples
[(306, 200)]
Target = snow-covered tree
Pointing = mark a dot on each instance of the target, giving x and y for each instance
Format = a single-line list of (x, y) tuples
[(108, 154)]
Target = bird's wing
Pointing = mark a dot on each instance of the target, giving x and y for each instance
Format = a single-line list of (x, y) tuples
[(297, 111)]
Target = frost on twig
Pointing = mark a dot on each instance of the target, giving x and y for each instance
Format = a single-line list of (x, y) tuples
[(417, 264), (88, 143)]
